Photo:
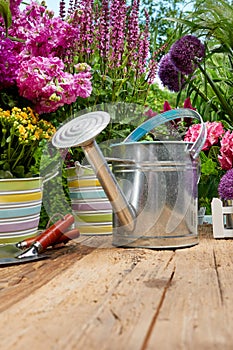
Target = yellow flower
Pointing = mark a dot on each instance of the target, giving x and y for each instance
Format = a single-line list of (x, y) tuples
[(16, 110), (30, 127), (24, 115), (22, 129), (21, 133), (37, 134)]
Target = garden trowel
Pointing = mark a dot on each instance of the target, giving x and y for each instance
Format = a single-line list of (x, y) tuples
[(13, 254)]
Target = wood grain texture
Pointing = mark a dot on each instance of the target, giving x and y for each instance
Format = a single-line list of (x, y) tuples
[(90, 295)]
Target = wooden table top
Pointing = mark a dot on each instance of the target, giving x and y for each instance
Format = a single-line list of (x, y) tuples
[(89, 295)]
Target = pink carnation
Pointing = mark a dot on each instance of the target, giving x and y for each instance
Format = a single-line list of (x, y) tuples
[(214, 132), (226, 151)]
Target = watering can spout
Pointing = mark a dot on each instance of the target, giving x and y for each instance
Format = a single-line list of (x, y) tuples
[(82, 131), (124, 211)]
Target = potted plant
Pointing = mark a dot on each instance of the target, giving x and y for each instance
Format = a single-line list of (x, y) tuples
[(38, 84), (23, 136)]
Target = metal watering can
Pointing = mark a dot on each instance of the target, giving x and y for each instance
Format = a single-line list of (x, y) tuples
[(154, 198)]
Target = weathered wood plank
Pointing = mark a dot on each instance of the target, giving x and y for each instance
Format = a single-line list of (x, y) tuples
[(94, 296), (99, 294), (197, 309), (127, 314), (18, 281)]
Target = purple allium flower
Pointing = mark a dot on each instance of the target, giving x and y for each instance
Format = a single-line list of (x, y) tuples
[(186, 52), (225, 187), (169, 75)]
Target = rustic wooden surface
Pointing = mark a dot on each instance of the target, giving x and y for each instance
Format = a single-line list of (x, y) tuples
[(89, 295)]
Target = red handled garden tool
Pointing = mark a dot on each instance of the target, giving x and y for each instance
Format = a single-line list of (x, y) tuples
[(33, 247)]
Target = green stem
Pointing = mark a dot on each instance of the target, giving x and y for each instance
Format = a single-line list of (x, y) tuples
[(19, 157), (203, 96), (216, 90), (31, 154)]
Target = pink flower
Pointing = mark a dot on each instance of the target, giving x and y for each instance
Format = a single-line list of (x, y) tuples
[(166, 107), (43, 81), (150, 113), (188, 104), (214, 132), (226, 151)]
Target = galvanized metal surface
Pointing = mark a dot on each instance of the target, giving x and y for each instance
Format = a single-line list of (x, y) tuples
[(162, 188)]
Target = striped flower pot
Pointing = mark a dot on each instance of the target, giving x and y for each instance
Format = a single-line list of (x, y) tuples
[(90, 206), (20, 205)]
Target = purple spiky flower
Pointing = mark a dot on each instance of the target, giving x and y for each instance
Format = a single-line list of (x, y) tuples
[(62, 9), (117, 28), (143, 47), (102, 30), (133, 32)]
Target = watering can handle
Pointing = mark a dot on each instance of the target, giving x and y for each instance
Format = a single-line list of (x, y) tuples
[(159, 119)]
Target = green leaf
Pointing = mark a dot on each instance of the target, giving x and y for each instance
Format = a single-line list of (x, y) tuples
[(9, 139), (19, 171), (5, 174), (6, 13), (209, 167)]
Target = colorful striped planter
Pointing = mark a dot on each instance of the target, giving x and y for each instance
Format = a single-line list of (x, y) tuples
[(90, 205), (20, 205)]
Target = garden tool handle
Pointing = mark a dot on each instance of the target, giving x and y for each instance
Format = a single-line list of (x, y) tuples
[(67, 236), (51, 235), (63, 239), (48, 237), (159, 119)]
